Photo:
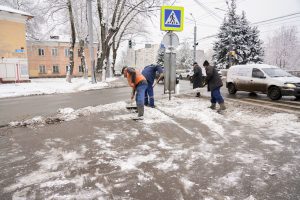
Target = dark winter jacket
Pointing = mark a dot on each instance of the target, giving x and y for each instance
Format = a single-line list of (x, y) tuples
[(213, 79), (197, 77), (149, 72)]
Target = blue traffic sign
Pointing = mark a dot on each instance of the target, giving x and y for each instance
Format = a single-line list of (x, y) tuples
[(172, 18)]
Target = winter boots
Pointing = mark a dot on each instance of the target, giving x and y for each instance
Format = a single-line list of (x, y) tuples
[(222, 107), (213, 106), (140, 110)]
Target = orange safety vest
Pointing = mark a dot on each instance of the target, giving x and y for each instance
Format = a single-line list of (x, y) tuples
[(138, 78)]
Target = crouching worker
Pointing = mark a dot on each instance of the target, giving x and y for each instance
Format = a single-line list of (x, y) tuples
[(214, 83), (139, 85)]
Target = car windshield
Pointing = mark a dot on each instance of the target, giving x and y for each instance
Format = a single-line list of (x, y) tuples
[(276, 72)]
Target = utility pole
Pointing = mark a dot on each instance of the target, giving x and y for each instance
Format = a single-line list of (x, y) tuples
[(108, 67), (195, 39), (91, 40)]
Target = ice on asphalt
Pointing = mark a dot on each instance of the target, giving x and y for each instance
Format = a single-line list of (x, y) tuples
[(58, 163)]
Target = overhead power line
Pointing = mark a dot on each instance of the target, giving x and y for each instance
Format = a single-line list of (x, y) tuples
[(272, 19), (256, 23), (213, 14), (282, 21)]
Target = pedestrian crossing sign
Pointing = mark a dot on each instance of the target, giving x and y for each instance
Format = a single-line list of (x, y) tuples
[(171, 18)]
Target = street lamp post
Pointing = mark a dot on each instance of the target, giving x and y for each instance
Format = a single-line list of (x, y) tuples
[(91, 42), (195, 38)]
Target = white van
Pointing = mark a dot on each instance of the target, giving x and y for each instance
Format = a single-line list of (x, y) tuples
[(263, 78)]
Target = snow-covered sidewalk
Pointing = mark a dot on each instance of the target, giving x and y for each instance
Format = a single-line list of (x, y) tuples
[(181, 150), (52, 86)]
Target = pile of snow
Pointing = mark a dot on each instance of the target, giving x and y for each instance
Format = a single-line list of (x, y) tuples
[(51, 86), (68, 114)]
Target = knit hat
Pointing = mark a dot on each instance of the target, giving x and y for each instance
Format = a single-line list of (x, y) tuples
[(206, 63)]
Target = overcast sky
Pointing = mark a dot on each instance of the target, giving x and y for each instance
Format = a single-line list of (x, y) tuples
[(256, 10)]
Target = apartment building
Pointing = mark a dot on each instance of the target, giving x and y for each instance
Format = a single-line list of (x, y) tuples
[(50, 58), (13, 50), (148, 55), (142, 57)]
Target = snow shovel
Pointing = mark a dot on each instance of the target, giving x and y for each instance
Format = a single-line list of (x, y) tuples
[(131, 106)]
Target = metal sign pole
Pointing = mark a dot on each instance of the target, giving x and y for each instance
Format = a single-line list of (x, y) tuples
[(170, 64), (171, 20)]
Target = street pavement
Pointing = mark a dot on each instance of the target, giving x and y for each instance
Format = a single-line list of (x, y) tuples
[(182, 150), (22, 108)]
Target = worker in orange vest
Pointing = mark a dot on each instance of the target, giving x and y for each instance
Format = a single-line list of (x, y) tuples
[(139, 85)]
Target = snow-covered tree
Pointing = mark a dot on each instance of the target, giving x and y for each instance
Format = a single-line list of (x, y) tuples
[(237, 42), (251, 50), (35, 25), (208, 55), (62, 11), (184, 56), (118, 13), (161, 55), (283, 49)]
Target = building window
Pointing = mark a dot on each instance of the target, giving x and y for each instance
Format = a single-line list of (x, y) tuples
[(41, 52), (67, 68), (42, 69), (67, 52), (80, 68), (54, 52), (55, 69)]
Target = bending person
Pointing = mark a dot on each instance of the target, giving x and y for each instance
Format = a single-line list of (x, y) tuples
[(149, 72), (139, 85)]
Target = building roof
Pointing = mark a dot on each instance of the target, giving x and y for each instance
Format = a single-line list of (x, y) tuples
[(55, 38), (15, 11)]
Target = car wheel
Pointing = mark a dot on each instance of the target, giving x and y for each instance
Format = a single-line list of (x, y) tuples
[(231, 88), (274, 93), (297, 98), (180, 77)]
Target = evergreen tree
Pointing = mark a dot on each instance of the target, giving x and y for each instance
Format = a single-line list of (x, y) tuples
[(237, 36), (253, 51), (161, 55), (184, 56)]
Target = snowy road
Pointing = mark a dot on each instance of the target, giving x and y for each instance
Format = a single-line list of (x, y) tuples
[(180, 151), (21, 108)]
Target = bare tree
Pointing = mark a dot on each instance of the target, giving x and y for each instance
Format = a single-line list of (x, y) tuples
[(61, 11), (130, 30), (283, 49), (73, 41), (80, 17), (122, 12), (34, 25)]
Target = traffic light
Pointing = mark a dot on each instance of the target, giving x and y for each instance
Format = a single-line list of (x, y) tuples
[(130, 44)]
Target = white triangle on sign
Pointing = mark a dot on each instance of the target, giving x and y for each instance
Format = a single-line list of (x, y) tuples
[(172, 19)]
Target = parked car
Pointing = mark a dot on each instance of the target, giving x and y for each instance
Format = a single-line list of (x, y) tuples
[(118, 73), (188, 74), (267, 79), (162, 79)]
